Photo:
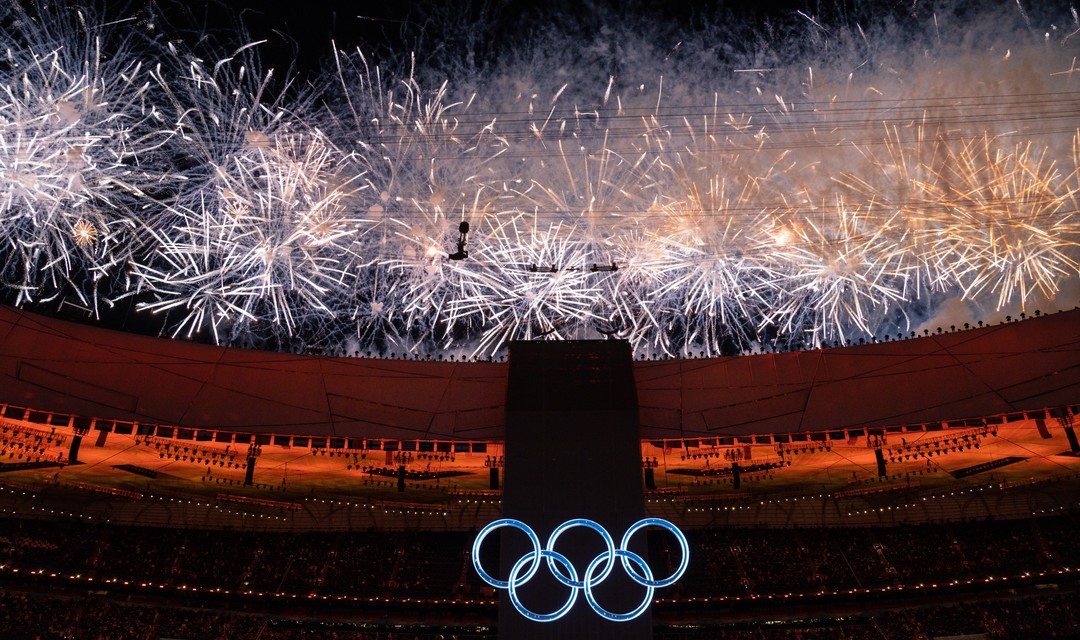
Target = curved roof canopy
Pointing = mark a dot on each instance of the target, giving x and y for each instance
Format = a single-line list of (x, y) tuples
[(64, 367)]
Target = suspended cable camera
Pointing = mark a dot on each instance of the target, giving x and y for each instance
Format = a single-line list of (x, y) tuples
[(463, 233)]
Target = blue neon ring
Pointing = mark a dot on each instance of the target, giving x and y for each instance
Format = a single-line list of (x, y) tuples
[(609, 556), (627, 557), (683, 545), (542, 617), (534, 556)]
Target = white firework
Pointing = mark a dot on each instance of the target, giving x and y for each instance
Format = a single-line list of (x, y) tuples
[(840, 275), (836, 195), (897, 175), (714, 270), (428, 164), (529, 280), (79, 153), (268, 241), (261, 236), (575, 179)]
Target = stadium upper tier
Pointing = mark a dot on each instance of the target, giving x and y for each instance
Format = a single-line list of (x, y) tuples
[(59, 366)]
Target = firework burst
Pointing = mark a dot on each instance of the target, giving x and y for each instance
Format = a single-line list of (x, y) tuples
[(529, 282), (260, 235), (427, 164), (1011, 222), (79, 153)]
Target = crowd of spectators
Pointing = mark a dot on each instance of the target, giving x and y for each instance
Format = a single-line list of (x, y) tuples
[(813, 560), (28, 616), (416, 564), (33, 616), (400, 567), (360, 564), (1049, 616)]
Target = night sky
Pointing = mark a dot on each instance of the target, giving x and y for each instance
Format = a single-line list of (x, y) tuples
[(298, 35), (498, 59)]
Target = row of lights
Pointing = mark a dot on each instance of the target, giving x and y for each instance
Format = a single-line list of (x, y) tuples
[(385, 507), (415, 512), (899, 507), (819, 496), (42, 572), (783, 449), (245, 514), (17, 441), (1026, 576), (357, 454), (666, 495), (745, 477), (163, 498), (347, 503), (940, 445), (61, 512), (273, 504), (1005, 485)]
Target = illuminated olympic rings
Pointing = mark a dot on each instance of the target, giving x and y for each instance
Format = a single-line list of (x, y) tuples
[(597, 571)]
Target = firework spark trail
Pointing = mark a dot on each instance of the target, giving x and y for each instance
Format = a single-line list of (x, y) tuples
[(605, 197), (268, 246), (79, 137), (716, 271), (375, 320), (638, 315), (841, 274), (262, 234), (427, 164), (900, 184), (1007, 232), (534, 281)]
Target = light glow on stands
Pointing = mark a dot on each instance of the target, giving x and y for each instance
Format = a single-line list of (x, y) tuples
[(690, 492), (180, 442)]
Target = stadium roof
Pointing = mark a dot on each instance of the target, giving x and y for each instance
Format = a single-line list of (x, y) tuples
[(60, 366)]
